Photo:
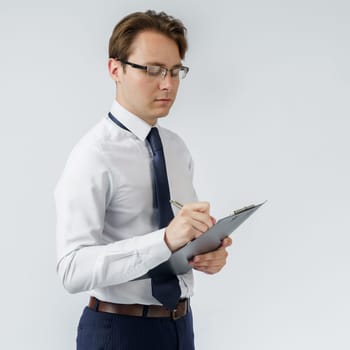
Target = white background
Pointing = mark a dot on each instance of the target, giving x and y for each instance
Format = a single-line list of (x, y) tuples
[(265, 112)]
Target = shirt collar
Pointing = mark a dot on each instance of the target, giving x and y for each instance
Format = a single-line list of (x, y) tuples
[(135, 124)]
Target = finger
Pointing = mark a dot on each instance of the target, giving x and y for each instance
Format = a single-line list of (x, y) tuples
[(226, 242), (217, 254), (203, 207), (209, 266), (202, 218), (220, 261), (209, 270), (209, 263), (197, 228)]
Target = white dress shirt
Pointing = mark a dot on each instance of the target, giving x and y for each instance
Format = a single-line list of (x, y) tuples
[(107, 230)]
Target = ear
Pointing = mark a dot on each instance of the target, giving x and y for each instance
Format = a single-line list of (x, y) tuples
[(114, 69)]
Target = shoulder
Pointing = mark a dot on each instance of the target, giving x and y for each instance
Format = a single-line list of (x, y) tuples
[(173, 140), (98, 140), (175, 149), (88, 154)]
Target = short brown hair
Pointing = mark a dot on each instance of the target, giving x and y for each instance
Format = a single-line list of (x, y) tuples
[(127, 29)]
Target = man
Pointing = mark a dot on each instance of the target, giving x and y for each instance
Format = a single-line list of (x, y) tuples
[(114, 221)]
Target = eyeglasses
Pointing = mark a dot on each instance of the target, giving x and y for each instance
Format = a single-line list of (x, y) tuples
[(159, 71)]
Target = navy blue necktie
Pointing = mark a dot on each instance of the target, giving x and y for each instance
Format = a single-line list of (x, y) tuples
[(165, 289)]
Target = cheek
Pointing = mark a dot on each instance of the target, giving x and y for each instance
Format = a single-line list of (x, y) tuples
[(176, 85), (145, 86)]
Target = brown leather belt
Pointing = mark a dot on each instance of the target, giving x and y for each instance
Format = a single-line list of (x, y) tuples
[(140, 310)]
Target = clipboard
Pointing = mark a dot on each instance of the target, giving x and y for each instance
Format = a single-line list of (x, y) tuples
[(210, 240)]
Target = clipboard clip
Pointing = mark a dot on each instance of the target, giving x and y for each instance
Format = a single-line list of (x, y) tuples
[(242, 210), (239, 211)]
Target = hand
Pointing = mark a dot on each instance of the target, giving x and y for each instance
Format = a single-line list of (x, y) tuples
[(192, 220), (214, 261)]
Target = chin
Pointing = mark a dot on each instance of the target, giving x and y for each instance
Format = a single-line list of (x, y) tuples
[(161, 113)]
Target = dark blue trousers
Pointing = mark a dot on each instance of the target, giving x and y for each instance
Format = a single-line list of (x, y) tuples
[(105, 331)]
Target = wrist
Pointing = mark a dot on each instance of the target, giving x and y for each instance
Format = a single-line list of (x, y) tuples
[(166, 240)]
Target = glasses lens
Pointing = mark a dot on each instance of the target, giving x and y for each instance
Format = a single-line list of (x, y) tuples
[(154, 71), (183, 72)]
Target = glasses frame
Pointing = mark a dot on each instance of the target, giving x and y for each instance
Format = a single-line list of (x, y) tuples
[(162, 72)]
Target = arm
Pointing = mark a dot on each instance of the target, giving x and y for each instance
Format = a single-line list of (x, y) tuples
[(86, 258), (115, 263), (119, 262)]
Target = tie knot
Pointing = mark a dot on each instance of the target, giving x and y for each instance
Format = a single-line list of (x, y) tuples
[(154, 140)]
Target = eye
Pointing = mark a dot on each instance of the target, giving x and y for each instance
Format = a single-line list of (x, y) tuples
[(175, 72), (154, 70)]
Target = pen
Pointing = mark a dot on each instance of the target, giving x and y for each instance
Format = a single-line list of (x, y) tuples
[(176, 204)]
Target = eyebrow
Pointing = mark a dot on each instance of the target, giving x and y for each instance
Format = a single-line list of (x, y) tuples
[(162, 64)]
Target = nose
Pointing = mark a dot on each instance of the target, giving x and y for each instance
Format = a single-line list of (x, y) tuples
[(167, 82)]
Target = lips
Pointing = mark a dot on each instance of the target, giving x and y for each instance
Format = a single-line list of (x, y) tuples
[(163, 99)]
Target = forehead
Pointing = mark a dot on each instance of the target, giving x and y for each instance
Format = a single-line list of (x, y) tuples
[(154, 47)]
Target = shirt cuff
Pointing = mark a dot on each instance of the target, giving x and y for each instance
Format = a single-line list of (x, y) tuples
[(152, 248)]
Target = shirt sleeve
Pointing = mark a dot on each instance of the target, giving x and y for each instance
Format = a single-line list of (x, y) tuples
[(84, 261)]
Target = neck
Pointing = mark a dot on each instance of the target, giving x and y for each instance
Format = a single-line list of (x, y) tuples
[(149, 121)]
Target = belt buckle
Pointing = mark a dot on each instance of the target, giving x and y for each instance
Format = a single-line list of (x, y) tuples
[(174, 316)]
